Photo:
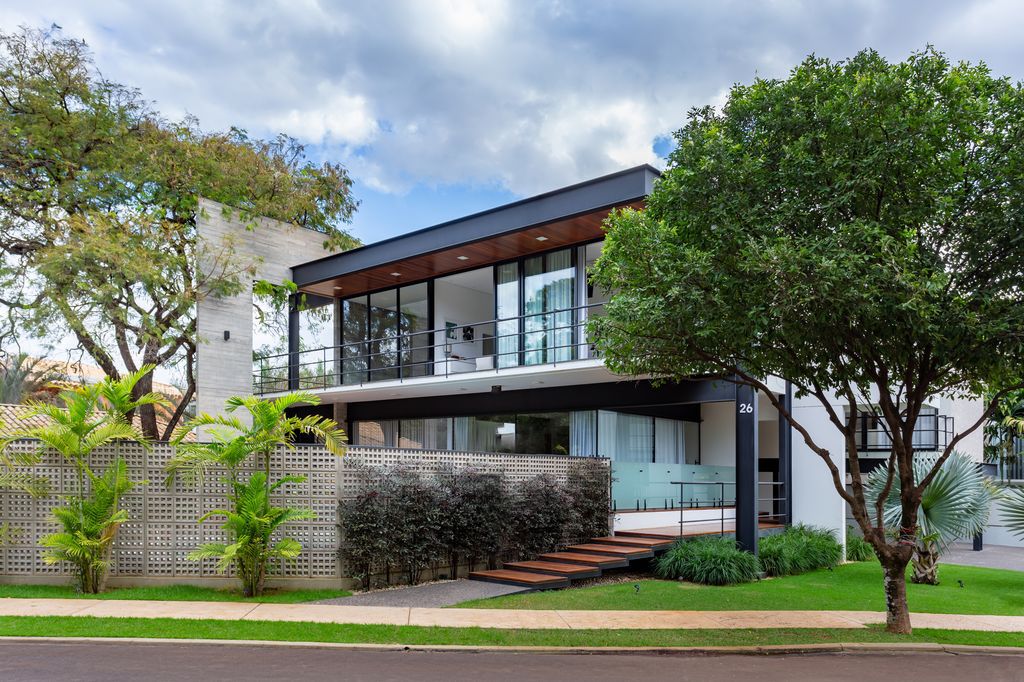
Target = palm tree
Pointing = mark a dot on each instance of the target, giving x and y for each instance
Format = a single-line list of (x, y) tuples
[(1013, 509), (252, 519), (21, 377), (92, 416), (955, 505)]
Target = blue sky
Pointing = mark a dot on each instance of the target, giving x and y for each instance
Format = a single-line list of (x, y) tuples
[(444, 107)]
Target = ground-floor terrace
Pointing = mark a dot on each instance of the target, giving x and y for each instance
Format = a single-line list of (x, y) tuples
[(697, 457)]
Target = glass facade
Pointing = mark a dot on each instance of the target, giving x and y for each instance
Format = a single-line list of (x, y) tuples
[(390, 335), (548, 289), (619, 436), (384, 335)]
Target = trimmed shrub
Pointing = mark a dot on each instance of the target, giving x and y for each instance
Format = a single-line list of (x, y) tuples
[(588, 487), (473, 517), (540, 514), (708, 561), (416, 503), (857, 548), (799, 549)]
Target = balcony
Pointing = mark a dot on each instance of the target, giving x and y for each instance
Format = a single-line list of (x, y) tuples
[(547, 338), (933, 432)]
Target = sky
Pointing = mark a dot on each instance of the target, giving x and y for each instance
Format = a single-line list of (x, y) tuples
[(439, 108)]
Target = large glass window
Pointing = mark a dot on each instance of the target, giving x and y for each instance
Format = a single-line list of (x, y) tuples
[(414, 323), (383, 335), (548, 286), (507, 299), (354, 318), (386, 335), (619, 436)]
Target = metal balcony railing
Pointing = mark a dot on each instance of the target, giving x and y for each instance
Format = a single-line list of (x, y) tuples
[(932, 432), (544, 338)]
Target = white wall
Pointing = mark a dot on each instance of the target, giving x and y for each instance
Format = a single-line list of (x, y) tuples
[(815, 500), (718, 434), (965, 412)]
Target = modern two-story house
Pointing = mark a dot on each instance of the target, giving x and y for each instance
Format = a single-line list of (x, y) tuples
[(471, 336)]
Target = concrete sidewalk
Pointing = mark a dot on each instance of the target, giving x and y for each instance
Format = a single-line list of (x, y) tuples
[(493, 618)]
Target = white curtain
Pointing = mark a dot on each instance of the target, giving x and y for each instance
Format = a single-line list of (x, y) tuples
[(625, 437), (461, 434), (669, 441), (583, 433)]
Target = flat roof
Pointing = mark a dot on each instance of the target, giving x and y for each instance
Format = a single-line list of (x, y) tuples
[(619, 188)]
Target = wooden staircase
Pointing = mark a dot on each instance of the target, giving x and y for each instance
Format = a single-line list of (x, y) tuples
[(553, 570)]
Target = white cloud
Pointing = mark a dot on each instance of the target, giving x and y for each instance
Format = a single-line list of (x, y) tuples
[(522, 95)]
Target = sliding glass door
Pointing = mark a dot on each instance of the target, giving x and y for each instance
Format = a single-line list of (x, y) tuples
[(386, 335), (548, 295)]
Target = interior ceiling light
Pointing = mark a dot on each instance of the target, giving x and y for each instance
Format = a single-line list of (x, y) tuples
[(542, 238), (463, 257)]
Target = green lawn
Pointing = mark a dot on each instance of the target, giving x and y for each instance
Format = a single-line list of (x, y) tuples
[(851, 587), (168, 593), (29, 626)]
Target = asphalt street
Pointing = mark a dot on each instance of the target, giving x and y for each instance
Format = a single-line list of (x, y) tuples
[(114, 661)]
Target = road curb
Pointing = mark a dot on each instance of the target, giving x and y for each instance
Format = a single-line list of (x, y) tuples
[(763, 650)]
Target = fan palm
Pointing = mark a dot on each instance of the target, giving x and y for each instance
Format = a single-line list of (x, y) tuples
[(252, 520), (954, 505), (1013, 509), (92, 416)]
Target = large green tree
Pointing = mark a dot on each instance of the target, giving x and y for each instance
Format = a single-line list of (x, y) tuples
[(856, 228), (98, 208)]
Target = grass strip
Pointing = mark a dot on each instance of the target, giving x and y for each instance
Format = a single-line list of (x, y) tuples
[(86, 626)]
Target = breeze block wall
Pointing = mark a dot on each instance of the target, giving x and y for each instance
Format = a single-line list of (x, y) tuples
[(153, 546)]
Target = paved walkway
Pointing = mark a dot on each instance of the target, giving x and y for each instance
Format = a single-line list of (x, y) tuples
[(992, 556), (493, 618), (443, 593)]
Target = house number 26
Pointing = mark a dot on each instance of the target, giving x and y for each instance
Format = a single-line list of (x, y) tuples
[(746, 408)]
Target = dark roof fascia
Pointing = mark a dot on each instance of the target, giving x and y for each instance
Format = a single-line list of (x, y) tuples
[(622, 187)]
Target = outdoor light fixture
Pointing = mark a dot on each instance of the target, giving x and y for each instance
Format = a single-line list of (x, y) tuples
[(396, 274), (542, 238), (496, 388), (462, 257), (227, 334), (337, 288)]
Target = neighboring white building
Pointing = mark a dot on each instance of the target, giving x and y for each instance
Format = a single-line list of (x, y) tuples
[(470, 336)]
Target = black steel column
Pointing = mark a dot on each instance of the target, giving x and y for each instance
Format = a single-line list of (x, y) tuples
[(785, 491), (293, 343), (746, 468)]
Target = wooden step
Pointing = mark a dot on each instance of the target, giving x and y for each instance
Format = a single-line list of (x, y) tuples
[(574, 571), (614, 550), (602, 561), (540, 581), (645, 534), (649, 543)]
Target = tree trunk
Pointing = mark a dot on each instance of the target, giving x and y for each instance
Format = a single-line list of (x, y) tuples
[(897, 613), (926, 564), (147, 413)]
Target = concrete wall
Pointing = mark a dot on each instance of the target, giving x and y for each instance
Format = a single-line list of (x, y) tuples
[(152, 547), (270, 248)]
